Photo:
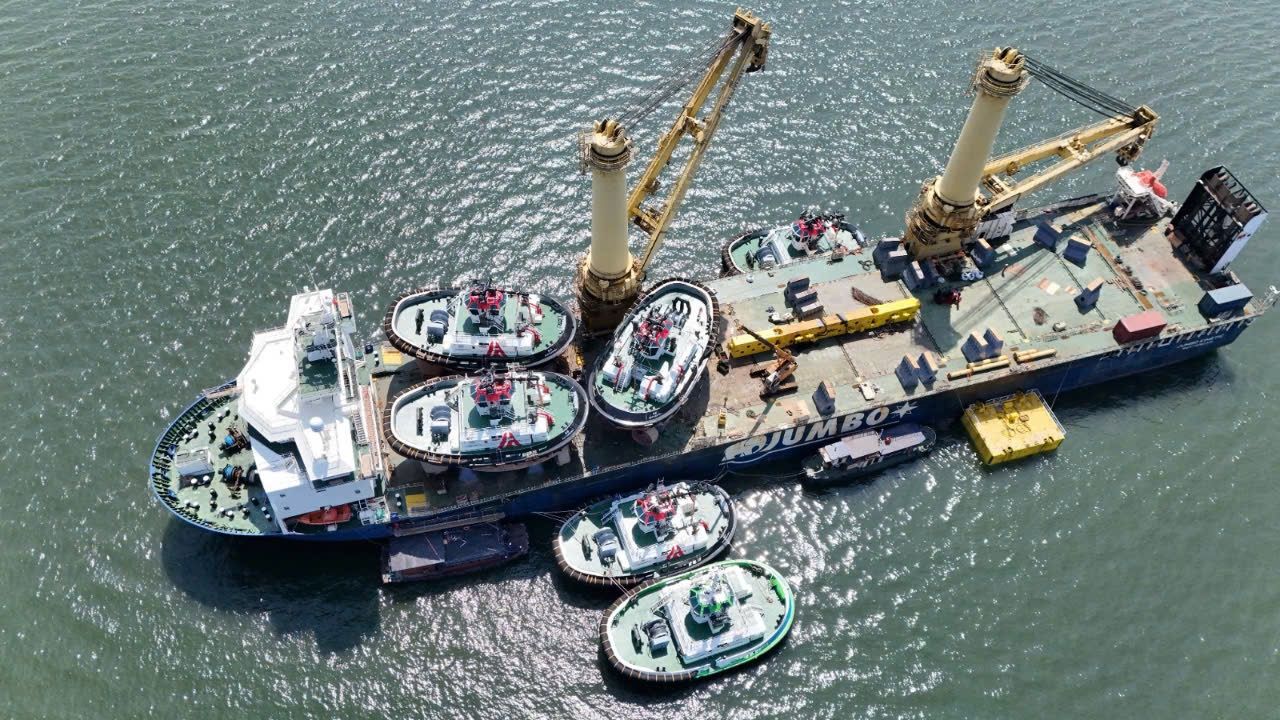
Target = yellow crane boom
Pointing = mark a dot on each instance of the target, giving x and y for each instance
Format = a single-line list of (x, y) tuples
[(1074, 149), (609, 278), (749, 37)]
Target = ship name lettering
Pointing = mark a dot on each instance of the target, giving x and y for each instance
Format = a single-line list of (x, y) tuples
[(820, 430)]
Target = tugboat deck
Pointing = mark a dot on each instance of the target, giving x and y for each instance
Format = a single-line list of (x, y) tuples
[(1027, 297)]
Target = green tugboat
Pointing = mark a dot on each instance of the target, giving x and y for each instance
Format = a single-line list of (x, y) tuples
[(623, 541), (698, 623)]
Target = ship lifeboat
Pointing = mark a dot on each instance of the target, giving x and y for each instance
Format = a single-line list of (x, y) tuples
[(327, 516)]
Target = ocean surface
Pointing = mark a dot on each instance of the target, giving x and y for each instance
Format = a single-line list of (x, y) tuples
[(171, 172)]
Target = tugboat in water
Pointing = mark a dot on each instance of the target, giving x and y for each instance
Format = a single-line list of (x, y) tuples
[(625, 540), (479, 326), (656, 355), (865, 453), (811, 235), (493, 422), (698, 623)]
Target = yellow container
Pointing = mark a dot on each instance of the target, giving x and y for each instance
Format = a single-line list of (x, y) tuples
[(807, 331), (391, 357), (1012, 427)]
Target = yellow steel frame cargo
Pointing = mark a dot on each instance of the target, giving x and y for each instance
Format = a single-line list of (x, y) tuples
[(807, 331), (1012, 427)]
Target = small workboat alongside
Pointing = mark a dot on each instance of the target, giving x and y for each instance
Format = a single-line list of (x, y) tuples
[(479, 326), (492, 422), (624, 541), (452, 552), (698, 623), (865, 453), (811, 235), (657, 355)]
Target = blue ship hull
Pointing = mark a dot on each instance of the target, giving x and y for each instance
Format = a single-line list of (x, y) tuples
[(936, 408)]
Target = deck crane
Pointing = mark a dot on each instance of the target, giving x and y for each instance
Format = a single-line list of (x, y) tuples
[(776, 379), (975, 187), (609, 278)]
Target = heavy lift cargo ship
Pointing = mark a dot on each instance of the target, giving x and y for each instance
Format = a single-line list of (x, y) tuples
[(976, 301)]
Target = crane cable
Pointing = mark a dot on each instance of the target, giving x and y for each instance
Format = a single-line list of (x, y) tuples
[(1077, 91), (684, 75)]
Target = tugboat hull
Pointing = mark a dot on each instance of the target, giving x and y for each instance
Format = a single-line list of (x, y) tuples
[(578, 551), (666, 631), (413, 334), (629, 399), (409, 423)]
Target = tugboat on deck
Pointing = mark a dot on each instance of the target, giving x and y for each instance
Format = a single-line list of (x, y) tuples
[(480, 326), (717, 617), (623, 541), (493, 422), (656, 355), (811, 235)]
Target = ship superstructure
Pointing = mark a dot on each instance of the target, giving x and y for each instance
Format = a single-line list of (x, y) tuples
[(287, 445)]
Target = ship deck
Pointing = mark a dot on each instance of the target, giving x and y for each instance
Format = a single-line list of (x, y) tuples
[(1027, 296)]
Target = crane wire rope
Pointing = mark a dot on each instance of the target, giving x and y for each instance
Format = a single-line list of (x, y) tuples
[(1077, 91), (684, 75)]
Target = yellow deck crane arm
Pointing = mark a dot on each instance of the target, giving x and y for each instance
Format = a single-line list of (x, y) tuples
[(744, 51), (609, 278), (783, 367), (1124, 136)]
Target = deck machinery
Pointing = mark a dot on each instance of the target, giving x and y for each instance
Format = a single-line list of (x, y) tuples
[(1048, 299)]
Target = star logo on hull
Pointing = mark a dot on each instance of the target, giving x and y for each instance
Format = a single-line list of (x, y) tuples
[(904, 409)]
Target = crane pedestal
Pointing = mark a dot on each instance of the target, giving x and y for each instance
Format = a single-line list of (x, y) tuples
[(601, 302), (608, 279)]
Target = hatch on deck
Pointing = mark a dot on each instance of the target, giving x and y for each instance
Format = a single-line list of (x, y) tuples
[(1012, 427)]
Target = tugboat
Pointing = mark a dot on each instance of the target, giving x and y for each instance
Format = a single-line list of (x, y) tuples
[(868, 452), (656, 355), (451, 552), (811, 235), (479, 326), (493, 422), (626, 540), (698, 623)]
